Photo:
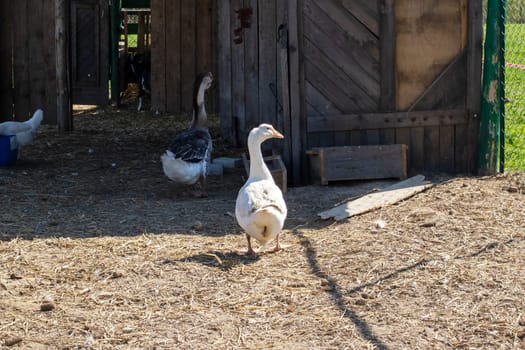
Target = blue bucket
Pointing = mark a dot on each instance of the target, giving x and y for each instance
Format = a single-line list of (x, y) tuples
[(8, 150)]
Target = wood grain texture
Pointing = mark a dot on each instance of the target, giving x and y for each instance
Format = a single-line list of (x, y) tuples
[(224, 70), (388, 196), (6, 63), (173, 57), (158, 55), (188, 51), (386, 120), (359, 162), (428, 37)]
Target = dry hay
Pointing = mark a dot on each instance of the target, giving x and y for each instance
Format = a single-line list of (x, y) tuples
[(99, 251)]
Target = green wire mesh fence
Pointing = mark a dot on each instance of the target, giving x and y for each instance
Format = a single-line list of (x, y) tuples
[(513, 140)]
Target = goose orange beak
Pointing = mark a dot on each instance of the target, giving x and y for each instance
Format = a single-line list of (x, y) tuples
[(277, 134)]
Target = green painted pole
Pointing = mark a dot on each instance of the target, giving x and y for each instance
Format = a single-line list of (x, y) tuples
[(115, 33), (491, 99)]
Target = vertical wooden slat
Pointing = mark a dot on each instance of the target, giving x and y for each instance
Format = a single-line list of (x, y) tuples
[(237, 62), (267, 61), (50, 104), (6, 92), (446, 149), (295, 10), (475, 39), (251, 76), (388, 55), (21, 60), (224, 69), (173, 56), (416, 150), (63, 92), (283, 88), (403, 137), (103, 56), (431, 148), (158, 55), (387, 40), (188, 50), (204, 33)]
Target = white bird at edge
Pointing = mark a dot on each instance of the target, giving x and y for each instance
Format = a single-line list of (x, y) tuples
[(24, 131), (260, 208)]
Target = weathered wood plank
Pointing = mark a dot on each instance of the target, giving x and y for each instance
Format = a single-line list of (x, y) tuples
[(251, 74), (267, 69), (387, 136), (334, 76), (388, 196), (366, 12), (62, 100), (316, 77), (36, 49), (359, 162), (423, 51), (21, 66), (371, 137), (49, 54), (173, 58), (446, 149), (359, 33), (475, 40), (224, 69), (431, 148), (386, 120), (448, 90), (6, 91), (319, 104), (387, 42), (203, 28), (416, 151), (188, 51), (237, 77), (158, 55), (283, 88), (462, 149), (295, 30), (355, 62), (403, 137)]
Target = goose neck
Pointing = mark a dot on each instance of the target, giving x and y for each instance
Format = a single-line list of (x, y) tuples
[(258, 168)]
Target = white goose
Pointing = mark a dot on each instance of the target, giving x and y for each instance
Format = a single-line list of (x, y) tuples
[(186, 160), (260, 208)]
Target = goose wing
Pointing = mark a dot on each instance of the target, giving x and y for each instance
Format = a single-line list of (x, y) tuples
[(192, 145), (260, 195)]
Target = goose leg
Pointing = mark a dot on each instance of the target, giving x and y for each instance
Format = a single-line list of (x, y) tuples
[(250, 250), (277, 245), (201, 192)]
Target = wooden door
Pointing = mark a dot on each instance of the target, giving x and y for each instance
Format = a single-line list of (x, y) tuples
[(384, 72), (89, 51)]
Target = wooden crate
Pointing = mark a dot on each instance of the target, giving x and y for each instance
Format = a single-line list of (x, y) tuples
[(275, 165), (358, 162)]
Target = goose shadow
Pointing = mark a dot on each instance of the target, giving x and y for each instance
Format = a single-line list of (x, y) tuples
[(224, 261)]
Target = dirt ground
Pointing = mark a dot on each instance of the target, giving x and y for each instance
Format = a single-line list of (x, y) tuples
[(98, 250)]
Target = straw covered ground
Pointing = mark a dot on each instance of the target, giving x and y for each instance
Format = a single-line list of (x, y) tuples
[(98, 250)]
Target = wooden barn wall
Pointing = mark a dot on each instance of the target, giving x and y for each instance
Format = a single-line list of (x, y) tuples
[(249, 66), (27, 59), (385, 72), (181, 47)]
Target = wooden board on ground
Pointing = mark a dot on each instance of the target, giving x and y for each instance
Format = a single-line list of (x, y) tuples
[(390, 195), (358, 162)]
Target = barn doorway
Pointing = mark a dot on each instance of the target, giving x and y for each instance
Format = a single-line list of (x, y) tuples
[(134, 54)]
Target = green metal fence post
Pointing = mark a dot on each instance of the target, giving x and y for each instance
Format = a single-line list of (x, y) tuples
[(115, 32), (491, 99)]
